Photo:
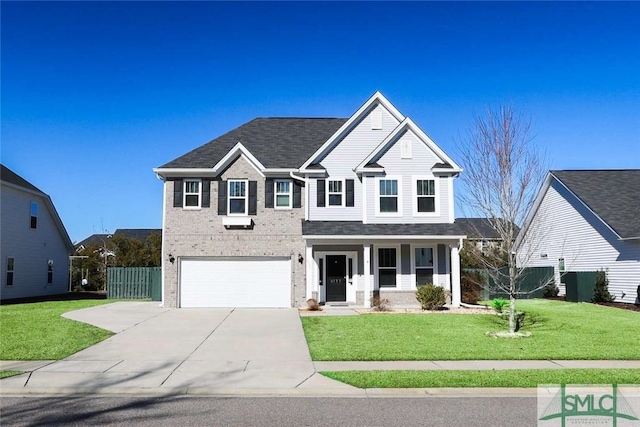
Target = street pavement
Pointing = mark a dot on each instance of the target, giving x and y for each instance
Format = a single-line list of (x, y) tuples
[(258, 352)]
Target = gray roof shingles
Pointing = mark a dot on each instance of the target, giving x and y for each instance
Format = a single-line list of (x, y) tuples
[(479, 228), (11, 177), (611, 194), (275, 142), (356, 228)]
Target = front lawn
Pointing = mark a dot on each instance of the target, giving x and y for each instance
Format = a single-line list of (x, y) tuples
[(560, 330), (505, 378), (38, 332)]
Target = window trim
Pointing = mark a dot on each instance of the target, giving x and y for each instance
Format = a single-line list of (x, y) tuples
[(276, 194), (399, 195), (185, 194), (12, 271), (343, 193), (434, 248), (377, 267), (436, 196), (33, 219), (245, 197)]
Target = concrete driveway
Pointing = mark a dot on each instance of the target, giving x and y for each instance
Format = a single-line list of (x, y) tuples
[(167, 349)]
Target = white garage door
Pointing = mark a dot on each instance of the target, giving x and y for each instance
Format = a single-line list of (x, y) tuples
[(235, 282)]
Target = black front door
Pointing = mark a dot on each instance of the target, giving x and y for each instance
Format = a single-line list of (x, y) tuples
[(336, 278)]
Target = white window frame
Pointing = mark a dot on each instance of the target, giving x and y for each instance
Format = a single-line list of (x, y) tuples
[(399, 195), (343, 193), (245, 197), (376, 268), (414, 183), (185, 194), (276, 194), (12, 271), (414, 279)]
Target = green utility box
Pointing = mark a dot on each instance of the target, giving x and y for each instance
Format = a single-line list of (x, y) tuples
[(579, 285)]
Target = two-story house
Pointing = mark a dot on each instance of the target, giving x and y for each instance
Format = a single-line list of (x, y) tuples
[(280, 210), (35, 246)]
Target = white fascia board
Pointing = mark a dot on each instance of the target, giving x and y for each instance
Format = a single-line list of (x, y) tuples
[(368, 170), (314, 171), (380, 237), (237, 150), (185, 172), (377, 97), (433, 146), (25, 189)]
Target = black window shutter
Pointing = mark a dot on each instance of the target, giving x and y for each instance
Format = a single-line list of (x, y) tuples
[(222, 197), (253, 197), (297, 195), (320, 193), (350, 195), (268, 193), (177, 193), (206, 193)]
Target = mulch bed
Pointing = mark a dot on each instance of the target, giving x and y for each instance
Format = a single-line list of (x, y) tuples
[(621, 305)]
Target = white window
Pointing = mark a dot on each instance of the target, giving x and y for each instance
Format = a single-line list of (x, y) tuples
[(283, 194), (388, 197), (423, 265), (424, 197), (334, 195), (387, 267), (34, 215), (10, 267), (237, 200), (191, 194)]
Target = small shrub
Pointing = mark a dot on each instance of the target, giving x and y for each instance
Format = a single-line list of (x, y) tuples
[(471, 284), (380, 304), (499, 304), (312, 305), (601, 289), (551, 290), (431, 297)]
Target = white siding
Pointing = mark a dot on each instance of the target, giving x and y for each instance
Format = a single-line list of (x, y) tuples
[(341, 161), (564, 228), (420, 164), (31, 248)]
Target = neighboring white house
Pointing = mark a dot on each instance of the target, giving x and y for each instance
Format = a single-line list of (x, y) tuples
[(280, 210), (35, 246), (587, 220)]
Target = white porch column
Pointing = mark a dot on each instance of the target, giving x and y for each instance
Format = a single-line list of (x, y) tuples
[(310, 272), (368, 283), (455, 276)]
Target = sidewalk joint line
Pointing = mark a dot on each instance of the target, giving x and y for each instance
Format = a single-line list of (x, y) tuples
[(110, 368), (199, 345), (306, 379)]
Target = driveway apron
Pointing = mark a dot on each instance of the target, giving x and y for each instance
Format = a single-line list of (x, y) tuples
[(189, 348)]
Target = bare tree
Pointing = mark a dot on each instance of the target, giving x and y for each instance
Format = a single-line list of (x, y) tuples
[(503, 170)]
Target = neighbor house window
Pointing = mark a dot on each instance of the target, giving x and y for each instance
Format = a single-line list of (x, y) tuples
[(34, 215), (388, 196), (561, 265), (50, 272), (425, 196), (334, 195), (283, 194), (237, 197), (423, 266), (10, 266), (387, 267), (191, 194)]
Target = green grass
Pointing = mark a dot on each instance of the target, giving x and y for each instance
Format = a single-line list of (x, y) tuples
[(38, 332), (7, 374), (560, 331), (506, 378)]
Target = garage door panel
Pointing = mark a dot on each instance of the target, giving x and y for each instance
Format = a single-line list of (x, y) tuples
[(237, 282)]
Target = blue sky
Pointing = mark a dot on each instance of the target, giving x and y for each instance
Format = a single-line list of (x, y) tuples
[(94, 95)]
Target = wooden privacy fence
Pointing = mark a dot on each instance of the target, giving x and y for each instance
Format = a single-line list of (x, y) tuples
[(134, 283), (531, 278)]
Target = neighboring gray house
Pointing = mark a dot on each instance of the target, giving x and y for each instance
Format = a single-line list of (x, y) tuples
[(35, 246), (280, 210), (587, 220), (131, 233), (481, 232)]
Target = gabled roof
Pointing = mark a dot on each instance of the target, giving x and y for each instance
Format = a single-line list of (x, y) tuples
[(391, 139), (277, 143), (131, 233), (94, 238), (13, 179), (376, 98), (612, 195), (479, 228)]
